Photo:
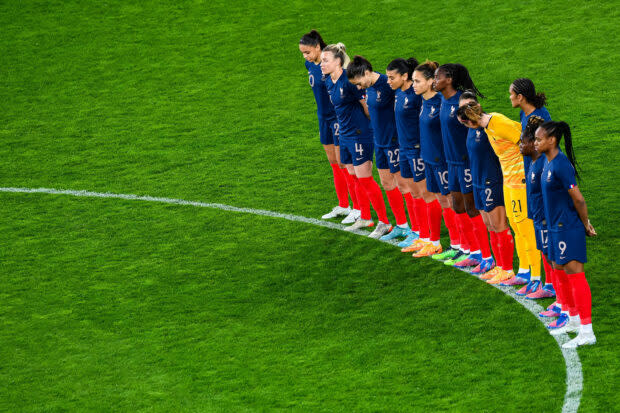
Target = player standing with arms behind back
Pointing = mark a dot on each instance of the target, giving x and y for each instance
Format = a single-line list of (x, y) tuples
[(452, 79), (356, 136), (567, 220), (380, 101), (311, 44)]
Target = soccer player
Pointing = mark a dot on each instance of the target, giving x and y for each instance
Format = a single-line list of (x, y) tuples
[(488, 193), (504, 135), (567, 220), (407, 113), (535, 209), (356, 136), (451, 80), (380, 101), (435, 167), (523, 95), (311, 44)]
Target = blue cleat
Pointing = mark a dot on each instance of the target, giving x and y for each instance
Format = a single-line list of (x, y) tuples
[(411, 237), (396, 232), (562, 321), (484, 266), (529, 288)]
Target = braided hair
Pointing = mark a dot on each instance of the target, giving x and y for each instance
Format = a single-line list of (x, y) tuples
[(524, 86), (460, 77), (561, 130)]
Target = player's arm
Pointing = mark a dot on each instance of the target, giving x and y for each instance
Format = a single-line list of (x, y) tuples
[(582, 210), (365, 107)]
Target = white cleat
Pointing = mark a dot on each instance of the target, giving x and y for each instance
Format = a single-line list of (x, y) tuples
[(336, 212), (381, 230), (353, 216), (582, 339), (570, 327), (359, 224)]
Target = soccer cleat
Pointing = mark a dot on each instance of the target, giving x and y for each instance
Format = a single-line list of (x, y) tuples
[(336, 212), (484, 267), (381, 229), (457, 258), (468, 262), (560, 322), (428, 250), (501, 276), (582, 339), (531, 287), (572, 326), (416, 246), (411, 237), (516, 280), (396, 232), (359, 224), (543, 292), (446, 255), (353, 216), (490, 274), (554, 311), (553, 304)]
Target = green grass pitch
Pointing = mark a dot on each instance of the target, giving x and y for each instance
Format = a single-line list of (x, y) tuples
[(112, 305)]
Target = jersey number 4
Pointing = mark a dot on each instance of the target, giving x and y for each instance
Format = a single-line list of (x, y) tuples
[(359, 149)]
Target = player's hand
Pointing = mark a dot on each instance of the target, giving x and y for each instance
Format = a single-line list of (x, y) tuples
[(590, 232)]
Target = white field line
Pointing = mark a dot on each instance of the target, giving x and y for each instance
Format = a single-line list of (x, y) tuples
[(574, 375)]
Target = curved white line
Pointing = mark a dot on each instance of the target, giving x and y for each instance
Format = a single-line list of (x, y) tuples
[(574, 375)]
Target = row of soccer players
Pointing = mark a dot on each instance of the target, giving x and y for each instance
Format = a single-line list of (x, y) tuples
[(436, 147)]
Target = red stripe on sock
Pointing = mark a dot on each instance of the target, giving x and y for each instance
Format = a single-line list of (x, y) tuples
[(395, 199), (362, 199), (468, 240), (582, 296), (422, 214), (351, 187), (434, 219), (568, 300), (340, 183), (482, 235), (376, 197), (449, 218), (497, 249), (548, 271), (412, 214), (507, 244)]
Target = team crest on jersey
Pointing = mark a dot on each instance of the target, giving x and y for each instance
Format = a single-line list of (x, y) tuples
[(548, 176), (533, 177), (477, 136), (341, 92), (378, 96), (406, 102), (452, 109)]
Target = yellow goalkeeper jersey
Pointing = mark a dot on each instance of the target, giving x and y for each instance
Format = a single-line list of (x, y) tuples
[(504, 135)]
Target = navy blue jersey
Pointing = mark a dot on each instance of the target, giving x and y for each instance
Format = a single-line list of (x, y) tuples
[(453, 132), (558, 176), (324, 107), (485, 167), (354, 125), (540, 112), (407, 111), (535, 204), (380, 99), (431, 142)]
